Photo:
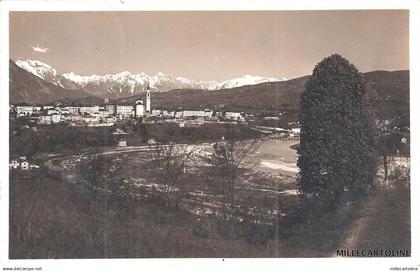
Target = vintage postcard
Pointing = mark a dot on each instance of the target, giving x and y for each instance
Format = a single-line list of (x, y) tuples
[(211, 134)]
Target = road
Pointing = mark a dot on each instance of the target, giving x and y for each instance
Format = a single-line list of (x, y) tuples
[(199, 203)]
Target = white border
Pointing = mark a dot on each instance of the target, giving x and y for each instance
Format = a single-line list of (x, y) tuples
[(213, 264)]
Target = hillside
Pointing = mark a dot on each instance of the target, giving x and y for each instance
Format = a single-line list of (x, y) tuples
[(392, 90), (262, 97), (28, 88), (389, 89)]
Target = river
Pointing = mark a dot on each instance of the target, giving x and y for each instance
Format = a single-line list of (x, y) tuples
[(276, 156)]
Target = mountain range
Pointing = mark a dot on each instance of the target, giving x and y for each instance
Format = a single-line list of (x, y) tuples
[(25, 87), (390, 89), (126, 84)]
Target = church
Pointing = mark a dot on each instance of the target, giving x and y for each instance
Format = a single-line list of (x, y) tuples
[(139, 110)]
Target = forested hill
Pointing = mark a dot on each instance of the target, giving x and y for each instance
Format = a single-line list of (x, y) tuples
[(390, 89)]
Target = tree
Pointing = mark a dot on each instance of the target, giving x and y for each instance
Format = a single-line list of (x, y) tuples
[(230, 155), (337, 155), (170, 161), (94, 173), (141, 130)]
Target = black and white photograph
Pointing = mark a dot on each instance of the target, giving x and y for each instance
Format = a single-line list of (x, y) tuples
[(216, 134)]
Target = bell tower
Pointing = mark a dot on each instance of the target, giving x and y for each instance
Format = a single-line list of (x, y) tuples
[(148, 110)]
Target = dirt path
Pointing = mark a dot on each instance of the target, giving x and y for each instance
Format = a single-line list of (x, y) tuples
[(357, 228), (383, 223)]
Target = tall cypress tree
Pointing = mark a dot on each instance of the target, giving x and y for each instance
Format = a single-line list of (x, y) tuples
[(337, 142)]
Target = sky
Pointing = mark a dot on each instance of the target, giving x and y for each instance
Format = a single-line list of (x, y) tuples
[(210, 45)]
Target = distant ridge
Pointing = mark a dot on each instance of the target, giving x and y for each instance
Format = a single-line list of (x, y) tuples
[(126, 84)]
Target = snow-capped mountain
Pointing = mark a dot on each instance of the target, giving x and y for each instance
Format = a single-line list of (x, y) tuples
[(246, 80), (46, 72), (126, 84)]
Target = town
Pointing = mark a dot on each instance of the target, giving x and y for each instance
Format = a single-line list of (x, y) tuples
[(109, 113)]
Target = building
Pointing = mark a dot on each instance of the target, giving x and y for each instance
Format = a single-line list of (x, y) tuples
[(24, 110), (148, 100), (37, 109), (151, 141), (139, 109), (295, 131), (55, 118), (89, 109), (122, 143), (73, 109), (157, 113), (24, 165), (124, 110), (121, 137), (110, 108), (44, 119), (234, 116), (52, 111), (102, 113), (179, 114), (14, 164), (110, 119), (197, 114), (90, 119)]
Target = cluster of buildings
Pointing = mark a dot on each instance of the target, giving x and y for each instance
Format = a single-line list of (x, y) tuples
[(21, 164), (206, 114), (95, 115), (109, 113)]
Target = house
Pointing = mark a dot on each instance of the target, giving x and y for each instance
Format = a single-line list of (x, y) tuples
[(295, 131), (34, 166), (151, 141), (55, 118), (44, 119), (120, 135), (110, 108), (234, 116), (14, 164), (88, 109), (102, 113), (110, 119), (179, 114), (90, 119), (37, 109), (24, 110), (52, 111), (122, 143), (63, 111), (157, 113), (166, 114), (24, 165), (73, 109)]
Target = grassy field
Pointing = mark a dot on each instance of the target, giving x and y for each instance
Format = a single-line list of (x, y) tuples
[(52, 219)]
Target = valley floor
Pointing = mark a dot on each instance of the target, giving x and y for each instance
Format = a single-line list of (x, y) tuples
[(53, 218)]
